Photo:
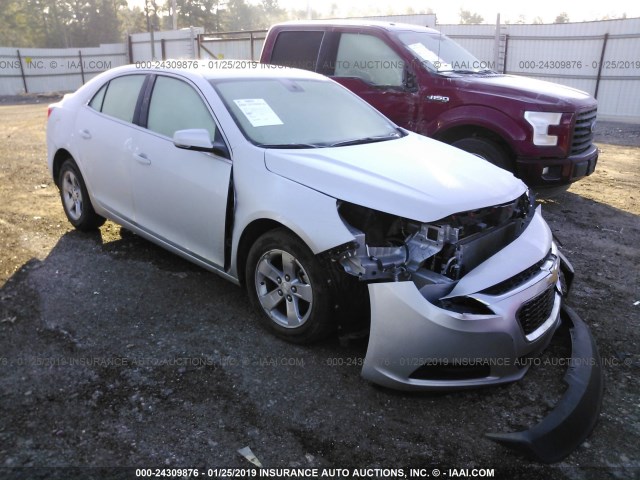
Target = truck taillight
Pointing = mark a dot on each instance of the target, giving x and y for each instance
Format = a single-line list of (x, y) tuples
[(49, 110)]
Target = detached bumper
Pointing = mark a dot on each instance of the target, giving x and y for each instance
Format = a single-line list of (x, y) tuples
[(457, 352), (577, 412)]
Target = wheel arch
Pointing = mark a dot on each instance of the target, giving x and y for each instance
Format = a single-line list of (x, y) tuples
[(58, 159), (460, 132), (250, 234), (466, 121)]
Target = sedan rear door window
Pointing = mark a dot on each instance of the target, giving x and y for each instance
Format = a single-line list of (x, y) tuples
[(121, 97)]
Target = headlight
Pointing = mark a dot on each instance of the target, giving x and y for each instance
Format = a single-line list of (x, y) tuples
[(541, 121)]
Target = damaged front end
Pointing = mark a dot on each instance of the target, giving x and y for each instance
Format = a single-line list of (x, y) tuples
[(462, 302), (456, 302)]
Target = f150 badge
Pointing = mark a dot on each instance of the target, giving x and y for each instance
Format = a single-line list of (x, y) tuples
[(437, 99)]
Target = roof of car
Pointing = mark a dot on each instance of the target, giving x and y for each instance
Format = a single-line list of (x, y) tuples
[(396, 26), (217, 69)]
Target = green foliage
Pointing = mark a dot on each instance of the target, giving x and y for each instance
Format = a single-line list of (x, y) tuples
[(226, 15), (66, 23), (15, 19), (467, 17)]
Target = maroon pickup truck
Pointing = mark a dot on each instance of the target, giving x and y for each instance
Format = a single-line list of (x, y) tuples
[(426, 82)]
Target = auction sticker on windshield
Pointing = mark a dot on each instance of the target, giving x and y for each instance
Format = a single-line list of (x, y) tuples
[(258, 112)]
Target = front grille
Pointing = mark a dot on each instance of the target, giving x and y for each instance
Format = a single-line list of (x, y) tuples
[(518, 279), (583, 131), (533, 313)]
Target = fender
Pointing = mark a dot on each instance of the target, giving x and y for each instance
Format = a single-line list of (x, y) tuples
[(308, 215), (479, 116)]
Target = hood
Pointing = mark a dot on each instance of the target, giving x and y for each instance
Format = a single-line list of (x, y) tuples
[(414, 177), (528, 90)]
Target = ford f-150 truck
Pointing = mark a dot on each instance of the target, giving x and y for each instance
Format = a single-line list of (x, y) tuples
[(427, 83)]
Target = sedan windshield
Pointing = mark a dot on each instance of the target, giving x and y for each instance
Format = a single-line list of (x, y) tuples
[(441, 54), (302, 113)]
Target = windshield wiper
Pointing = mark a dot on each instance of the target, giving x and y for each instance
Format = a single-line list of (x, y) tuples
[(468, 71), (285, 146), (360, 141)]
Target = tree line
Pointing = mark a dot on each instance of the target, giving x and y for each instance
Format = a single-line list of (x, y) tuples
[(88, 23)]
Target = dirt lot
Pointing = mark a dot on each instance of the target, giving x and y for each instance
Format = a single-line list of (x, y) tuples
[(115, 353)]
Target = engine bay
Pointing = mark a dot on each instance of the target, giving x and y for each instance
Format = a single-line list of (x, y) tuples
[(391, 248)]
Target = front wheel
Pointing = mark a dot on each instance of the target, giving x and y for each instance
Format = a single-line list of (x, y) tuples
[(487, 150), (289, 288), (75, 198)]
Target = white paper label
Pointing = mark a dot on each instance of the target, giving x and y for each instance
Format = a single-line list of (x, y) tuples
[(425, 54), (258, 112)]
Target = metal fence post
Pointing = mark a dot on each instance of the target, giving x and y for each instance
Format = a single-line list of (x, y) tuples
[(506, 50), (81, 66), (496, 44), (153, 44), (604, 48), (24, 78), (130, 45)]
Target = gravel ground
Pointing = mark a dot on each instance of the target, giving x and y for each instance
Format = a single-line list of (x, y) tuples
[(115, 353)]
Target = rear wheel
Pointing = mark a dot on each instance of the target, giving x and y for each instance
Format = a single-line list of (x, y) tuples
[(487, 150), (289, 288), (75, 198)]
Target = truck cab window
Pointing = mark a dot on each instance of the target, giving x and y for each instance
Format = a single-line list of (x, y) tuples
[(297, 49), (369, 58)]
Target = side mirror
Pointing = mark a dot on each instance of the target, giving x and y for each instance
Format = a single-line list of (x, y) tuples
[(198, 139), (409, 79)]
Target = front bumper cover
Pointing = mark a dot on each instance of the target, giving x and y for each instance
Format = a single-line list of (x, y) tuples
[(415, 345), (559, 433), (577, 412), (418, 324), (560, 171)]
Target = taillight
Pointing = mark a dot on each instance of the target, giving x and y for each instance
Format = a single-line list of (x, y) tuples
[(49, 110)]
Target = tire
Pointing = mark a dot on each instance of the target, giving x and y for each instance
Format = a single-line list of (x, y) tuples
[(75, 198), (289, 288), (487, 150)]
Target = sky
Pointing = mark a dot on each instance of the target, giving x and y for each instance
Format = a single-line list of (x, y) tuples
[(447, 11)]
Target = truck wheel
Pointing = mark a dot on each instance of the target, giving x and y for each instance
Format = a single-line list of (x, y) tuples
[(487, 150), (289, 289)]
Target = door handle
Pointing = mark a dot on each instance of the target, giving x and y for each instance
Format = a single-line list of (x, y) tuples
[(142, 158), (86, 134)]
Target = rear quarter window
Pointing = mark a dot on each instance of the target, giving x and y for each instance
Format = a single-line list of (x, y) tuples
[(297, 49), (96, 101)]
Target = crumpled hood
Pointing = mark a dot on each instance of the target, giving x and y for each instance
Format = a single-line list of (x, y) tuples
[(414, 177)]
